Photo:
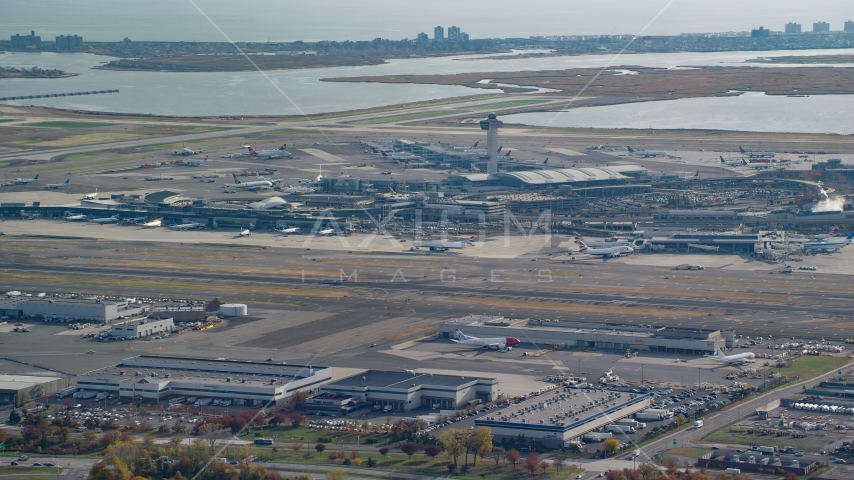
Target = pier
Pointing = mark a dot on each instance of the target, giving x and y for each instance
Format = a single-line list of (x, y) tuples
[(49, 95)]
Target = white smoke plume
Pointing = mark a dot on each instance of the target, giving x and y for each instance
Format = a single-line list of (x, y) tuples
[(828, 203)]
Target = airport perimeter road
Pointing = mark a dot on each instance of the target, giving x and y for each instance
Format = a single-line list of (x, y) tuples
[(728, 416), (370, 473)]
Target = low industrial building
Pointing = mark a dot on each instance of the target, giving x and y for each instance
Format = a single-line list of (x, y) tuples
[(541, 333), (154, 378), (557, 417), (142, 328), (332, 404), (755, 461), (16, 389), (77, 309), (403, 391)]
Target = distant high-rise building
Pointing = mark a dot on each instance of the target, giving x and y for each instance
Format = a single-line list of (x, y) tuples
[(761, 32), (67, 42), (793, 27), (464, 37), (421, 38), (454, 34), (439, 33), (820, 27), (21, 42), (849, 27)]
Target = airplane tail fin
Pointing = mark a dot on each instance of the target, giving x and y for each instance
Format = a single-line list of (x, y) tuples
[(850, 238), (384, 154), (722, 159), (508, 153), (67, 180), (252, 152), (741, 149), (475, 144), (697, 175), (235, 178), (36, 177), (720, 354), (630, 149), (743, 161), (461, 335), (499, 149), (546, 161)]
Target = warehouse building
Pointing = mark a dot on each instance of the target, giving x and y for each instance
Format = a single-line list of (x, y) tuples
[(153, 378), (142, 328), (404, 391), (77, 309), (16, 389), (563, 415), (548, 333)]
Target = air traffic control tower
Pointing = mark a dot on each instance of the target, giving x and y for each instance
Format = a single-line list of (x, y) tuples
[(491, 125)]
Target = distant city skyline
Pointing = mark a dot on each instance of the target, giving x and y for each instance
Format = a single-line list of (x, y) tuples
[(269, 20)]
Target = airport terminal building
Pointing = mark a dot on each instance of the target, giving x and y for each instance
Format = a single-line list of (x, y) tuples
[(73, 308), (550, 333), (153, 378), (563, 415), (404, 391)]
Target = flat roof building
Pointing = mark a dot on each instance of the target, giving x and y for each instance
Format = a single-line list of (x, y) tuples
[(142, 328), (77, 309), (548, 333), (15, 389), (821, 27), (404, 391), (792, 27), (154, 378), (560, 416), (849, 27)]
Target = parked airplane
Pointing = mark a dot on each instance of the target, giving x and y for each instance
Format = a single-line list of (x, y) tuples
[(609, 252), (258, 184), (113, 219), (293, 189), (319, 174), (193, 162), (55, 186), (187, 151), (499, 149), (644, 153), (76, 218), (607, 148), (823, 246), (756, 166), (91, 196), (737, 358), (404, 158), (270, 154), (287, 230), (497, 342), (440, 246), (755, 153), (475, 144), (731, 163), (326, 232), (153, 223), (546, 161), (607, 243), (187, 226), (244, 233), (708, 248), (825, 236), (24, 181)]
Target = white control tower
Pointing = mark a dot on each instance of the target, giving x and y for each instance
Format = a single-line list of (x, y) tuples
[(491, 125)]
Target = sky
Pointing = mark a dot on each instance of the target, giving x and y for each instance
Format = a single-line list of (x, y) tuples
[(288, 20)]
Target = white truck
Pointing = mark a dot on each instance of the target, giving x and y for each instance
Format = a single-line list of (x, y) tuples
[(768, 450), (650, 417), (620, 428), (664, 413), (698, 424), (595, 437)]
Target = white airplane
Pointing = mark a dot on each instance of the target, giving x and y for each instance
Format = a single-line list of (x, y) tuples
[(187, 151), (76, 218), (319, 174), (829, 245), (24, 181), (497, 342), (757, 166), (731, 163), (326, 232), (825, 236), (153, 223), (737, 358), (270, 154), (441, 246), (755, 153), (707, 248), (55, 186), (91, 196), (187, 226), (255, 185), (287, 230), (193, 162), (606, 148), (612, 243), (644, 153), (113, 219), (245, 233), (404, 158), (609, 252)]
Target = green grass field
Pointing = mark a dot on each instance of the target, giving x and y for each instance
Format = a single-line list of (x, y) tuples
[(809, 366), (4, 120), (78, 156), (9, 470), (738, 436), (515, 103), (403, 117), (65, 124)]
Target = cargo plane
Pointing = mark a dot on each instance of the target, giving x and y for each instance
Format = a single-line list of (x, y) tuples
[(497, 342), (734, 359)]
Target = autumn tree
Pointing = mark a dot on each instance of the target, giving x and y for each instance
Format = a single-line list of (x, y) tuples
[(611, 446), (513, 457), (432, 451), (532, 462), (482, 442), (455, 442), (409, 448)]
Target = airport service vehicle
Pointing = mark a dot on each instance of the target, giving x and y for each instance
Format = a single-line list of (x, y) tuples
[(153, 223), (823, 246), (620, 428), (255, 185), (496, 342), (698, 424), (91, 196), (614, 242), (271, 154), (731, 163), (56, 186), (25, 181), (767, 450), (609, 252), (756, 153), (441, 246), (747, 357), (644, 153), (187, 151), (101, 221)]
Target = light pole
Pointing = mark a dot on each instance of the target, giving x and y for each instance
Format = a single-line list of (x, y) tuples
[(642, 375)]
